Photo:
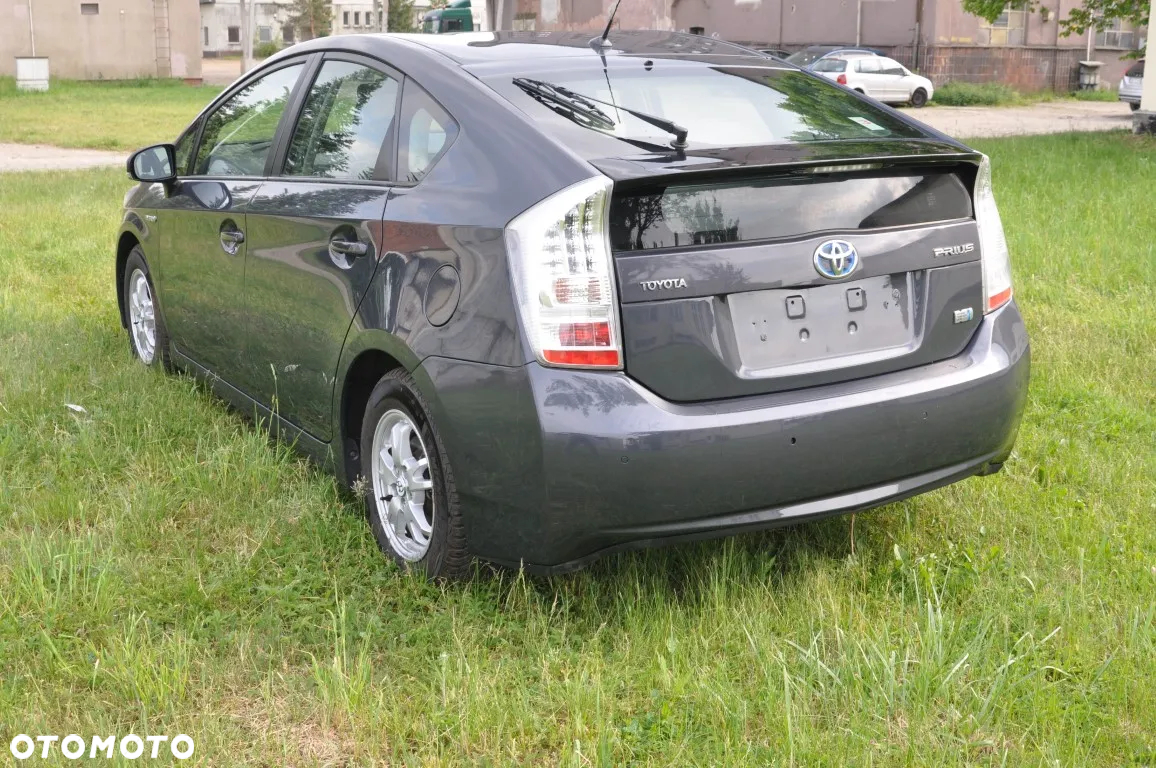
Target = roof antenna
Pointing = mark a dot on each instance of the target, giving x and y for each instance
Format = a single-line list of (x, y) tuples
[(598, 43)]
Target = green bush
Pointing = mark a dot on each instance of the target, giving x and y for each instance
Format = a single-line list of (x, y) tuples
[(265, 50), (957, 94)]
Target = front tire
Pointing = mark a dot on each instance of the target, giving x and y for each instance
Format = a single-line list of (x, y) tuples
[(411, 499), (919, 98), (147, 336)]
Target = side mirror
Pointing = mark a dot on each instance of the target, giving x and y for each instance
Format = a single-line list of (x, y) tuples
[(153, 164)]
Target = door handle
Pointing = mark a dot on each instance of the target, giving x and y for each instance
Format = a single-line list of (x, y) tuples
[(231, 240), (348, 247)]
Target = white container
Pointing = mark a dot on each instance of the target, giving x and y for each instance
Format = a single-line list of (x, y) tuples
[(32, 73)]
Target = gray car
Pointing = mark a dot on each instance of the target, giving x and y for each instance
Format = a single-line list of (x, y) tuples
[(1132, 85), (538, 298)]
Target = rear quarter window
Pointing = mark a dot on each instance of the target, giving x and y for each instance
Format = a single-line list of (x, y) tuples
[(427, 131)]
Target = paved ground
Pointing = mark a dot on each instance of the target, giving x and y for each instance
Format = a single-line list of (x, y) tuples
[(218, 71), (40, 157), (962, 122), (1049, 117)]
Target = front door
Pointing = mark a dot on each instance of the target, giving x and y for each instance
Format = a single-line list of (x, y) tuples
[(869, 78), (314, 235), (203, 223), (893, 81)]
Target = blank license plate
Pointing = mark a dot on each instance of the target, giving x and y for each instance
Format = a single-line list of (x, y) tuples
[(802, 330)]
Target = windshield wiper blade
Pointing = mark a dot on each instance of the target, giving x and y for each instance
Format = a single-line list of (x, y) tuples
[(580, 103), (582, 110)]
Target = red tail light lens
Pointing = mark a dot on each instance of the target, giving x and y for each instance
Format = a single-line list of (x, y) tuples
[(841, 79), (563, 277)]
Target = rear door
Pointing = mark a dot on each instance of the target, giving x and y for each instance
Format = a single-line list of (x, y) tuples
[(203, 221), (314, 234)]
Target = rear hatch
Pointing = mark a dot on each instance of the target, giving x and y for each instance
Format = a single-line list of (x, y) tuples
[(754, 278)]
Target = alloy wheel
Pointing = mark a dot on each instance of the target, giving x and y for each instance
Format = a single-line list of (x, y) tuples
[(402, 485), (142, 315)]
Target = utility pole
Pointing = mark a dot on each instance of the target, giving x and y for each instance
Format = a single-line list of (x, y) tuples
[(248, 11)]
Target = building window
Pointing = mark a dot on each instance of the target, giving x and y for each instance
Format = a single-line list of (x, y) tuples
[(1119, 34), (206, 37), (1008, 29), (357, 18), (345, 18), (698, 30), (234, 34), (288, 34), (525, 22), (380, 19), (265, 34), (89, 9)]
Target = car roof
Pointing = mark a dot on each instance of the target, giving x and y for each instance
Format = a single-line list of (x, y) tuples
[(484, 47)]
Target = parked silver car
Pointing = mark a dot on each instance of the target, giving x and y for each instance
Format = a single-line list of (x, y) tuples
[(1132, 84)]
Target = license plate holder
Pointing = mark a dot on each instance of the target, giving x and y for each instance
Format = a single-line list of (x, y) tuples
[(788, 331)]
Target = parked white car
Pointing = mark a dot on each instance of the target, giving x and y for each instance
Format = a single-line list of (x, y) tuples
[(879, 77)]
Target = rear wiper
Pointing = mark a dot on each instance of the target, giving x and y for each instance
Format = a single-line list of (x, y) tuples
[(578, 105), (563, 100)]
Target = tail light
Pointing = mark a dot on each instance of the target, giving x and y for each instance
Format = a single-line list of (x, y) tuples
[(563, 277), (841, 79), (997, 283)]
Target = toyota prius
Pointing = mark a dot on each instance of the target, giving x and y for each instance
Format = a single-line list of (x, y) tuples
[(538, 298)]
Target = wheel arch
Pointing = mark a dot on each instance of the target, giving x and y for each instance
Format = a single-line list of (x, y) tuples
[(366, 358), (124, 245)]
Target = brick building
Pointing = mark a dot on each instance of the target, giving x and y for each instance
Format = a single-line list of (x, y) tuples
[(936, 36)]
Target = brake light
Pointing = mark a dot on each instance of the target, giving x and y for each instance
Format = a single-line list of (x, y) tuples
[(841, 79), (997, 283), (563, 276)]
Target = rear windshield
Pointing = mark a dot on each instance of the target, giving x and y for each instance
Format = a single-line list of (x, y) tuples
[(683, 215), (720, 106), (1136, 70), (807, 55)]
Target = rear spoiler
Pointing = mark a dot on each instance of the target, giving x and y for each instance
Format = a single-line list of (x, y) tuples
[(784, 157)]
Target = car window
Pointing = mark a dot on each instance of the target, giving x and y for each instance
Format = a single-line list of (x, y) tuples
[(426, 132), (239, 134), (1136, 70), (867, 66), (720, 106), (344, 123), (891, 67), (830, 65), (184, 149)]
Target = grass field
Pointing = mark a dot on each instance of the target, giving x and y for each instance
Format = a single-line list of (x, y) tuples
[(164, 569), (962, 94), (118, 114)]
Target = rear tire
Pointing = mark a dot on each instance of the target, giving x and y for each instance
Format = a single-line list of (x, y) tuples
[(411, 498), (919, 98), (147, 336)]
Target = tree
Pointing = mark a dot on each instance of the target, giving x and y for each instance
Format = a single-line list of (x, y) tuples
[(401, 16), (311, 18), (1090, 14)]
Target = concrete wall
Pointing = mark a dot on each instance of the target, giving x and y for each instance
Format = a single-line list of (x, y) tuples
[(763, 22), (217, 17), (118, 42)]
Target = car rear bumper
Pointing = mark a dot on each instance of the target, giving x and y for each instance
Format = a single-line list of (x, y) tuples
[(556, 467)]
